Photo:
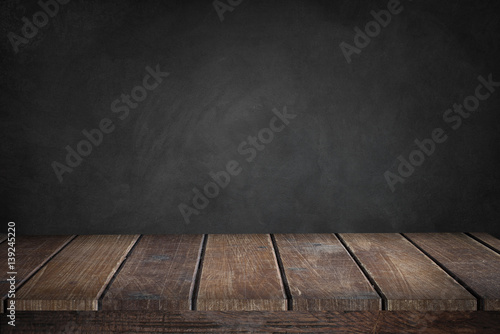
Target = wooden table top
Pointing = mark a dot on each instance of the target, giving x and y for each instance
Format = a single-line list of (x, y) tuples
[(256, 272)]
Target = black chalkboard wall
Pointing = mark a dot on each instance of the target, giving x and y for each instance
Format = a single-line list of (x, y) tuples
[(250, 116)]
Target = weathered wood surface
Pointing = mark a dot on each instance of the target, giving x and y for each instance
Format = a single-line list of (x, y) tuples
[(363, 322), (31, 253), (322, 275), (75, 278), (488, 239), (159, 274), (474, 264), (240, 272), (408, 279)]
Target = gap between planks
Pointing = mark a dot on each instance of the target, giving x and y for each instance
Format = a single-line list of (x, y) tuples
[(99, 301), (363, 270), (487, 240), (199, 268), (279, 262)]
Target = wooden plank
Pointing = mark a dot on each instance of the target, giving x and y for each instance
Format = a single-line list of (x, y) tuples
[(322, 275), (159, 274), (477, 266), (408, 279), (488, 239), (75, 278), (32, 252), (240, 272), (394, 322)]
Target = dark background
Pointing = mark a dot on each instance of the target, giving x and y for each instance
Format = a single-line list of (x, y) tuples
[(323, 173)]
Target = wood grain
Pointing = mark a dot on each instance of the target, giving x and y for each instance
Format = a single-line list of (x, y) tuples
[(32, 252), (240, 272), (477, 266), (408, 279), (322, 275), (75, 278), (488, 239), (159, 274), (394, 322)]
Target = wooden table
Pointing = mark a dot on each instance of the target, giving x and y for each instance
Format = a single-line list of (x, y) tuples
[(353, 283)]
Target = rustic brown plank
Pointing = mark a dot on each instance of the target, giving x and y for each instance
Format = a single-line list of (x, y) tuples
[(477, 266), (75, 278), (159, 274), (488, 239), (408, 279), (322, 275), (240, 272), (395, 322), (32, 252)]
